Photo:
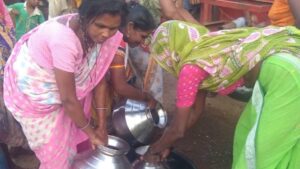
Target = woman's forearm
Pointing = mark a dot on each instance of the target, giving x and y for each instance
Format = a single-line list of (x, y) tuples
[(188, 82), (187, 16), (100, 101), (199, 106), (128, 91), (176, 11), (174, 131), (71, 105), (120, 85), (74, 110)]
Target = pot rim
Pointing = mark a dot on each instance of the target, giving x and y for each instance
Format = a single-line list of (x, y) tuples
[(113, 150)]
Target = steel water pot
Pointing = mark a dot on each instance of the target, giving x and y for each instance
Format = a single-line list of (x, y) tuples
[(133, 121), (140, 164), (146, 165), (111, 156), (175, 160)]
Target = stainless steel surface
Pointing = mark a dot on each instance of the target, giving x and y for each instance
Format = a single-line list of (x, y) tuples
[(111, 156), (142, 150), (139, 120), (135, 119), (162, 117), (175, 160), (146, 165)]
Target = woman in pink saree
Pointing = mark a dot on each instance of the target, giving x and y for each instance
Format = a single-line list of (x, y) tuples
[(53, 74)]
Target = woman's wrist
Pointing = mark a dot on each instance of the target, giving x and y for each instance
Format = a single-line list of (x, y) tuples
[(156, 152), (87, 128), (144, 96), (90, 131), (152, 151), (101, 124), (101, 112), (86, 125)]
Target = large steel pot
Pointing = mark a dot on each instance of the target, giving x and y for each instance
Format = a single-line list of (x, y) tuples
[(136, 123), (111, 156)]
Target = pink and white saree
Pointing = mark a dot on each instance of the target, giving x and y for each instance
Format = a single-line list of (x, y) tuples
[(31, 94)]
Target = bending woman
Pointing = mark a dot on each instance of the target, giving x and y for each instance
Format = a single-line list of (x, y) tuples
[(52, 75), (139, 25), (267, 135)]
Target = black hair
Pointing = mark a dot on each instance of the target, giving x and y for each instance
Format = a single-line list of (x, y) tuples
[(90, 9), (140, 17)]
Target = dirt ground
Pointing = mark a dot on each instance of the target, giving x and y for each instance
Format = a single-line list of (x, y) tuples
[(209, 143)]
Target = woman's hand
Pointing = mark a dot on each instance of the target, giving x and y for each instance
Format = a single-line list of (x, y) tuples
[(164, 154), (73, 107), (96, 139), (157, 157), (151, 158), (102, 133), (150, 100), (176, 130)]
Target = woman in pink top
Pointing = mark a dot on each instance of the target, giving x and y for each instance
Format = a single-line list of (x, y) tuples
[(54, 72)]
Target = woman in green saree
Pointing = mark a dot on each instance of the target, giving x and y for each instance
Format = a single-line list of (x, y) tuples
[(268, 133)]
